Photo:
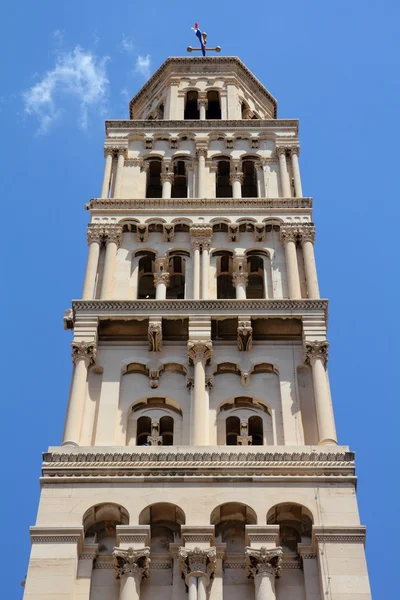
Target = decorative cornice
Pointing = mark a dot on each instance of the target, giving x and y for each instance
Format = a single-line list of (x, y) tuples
[(206, 125), (340, 535), (56, 535)]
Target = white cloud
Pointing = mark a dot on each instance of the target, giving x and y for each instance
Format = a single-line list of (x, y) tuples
[(127, 44), (142, 65), (78, 75), (58, 36)]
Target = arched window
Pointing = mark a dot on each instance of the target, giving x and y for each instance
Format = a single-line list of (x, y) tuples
[(176, 269), (179, 187), (166, 429), (249, 186), (223, 186), (255, 287), (232, 430), (191, 107), (255, 429), (154, 187), (295, 525), (225, 289), (143, 431), (165, 520), (213, 105), (146, 287), (230, 520)]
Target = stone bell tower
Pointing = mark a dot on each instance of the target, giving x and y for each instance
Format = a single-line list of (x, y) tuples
[(199, 457)]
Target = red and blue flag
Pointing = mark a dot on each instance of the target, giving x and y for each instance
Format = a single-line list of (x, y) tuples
[(202, 38)]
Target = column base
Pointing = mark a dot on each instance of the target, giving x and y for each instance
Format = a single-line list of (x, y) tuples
[(70, 443), (327, 442)]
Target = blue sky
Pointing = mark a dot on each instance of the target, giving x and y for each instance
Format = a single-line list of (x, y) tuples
[(68, 65)]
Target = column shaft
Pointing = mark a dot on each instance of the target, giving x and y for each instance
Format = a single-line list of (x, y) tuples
[(76, 402), (161, 290), (202, 588), (260, 182), (292, 270), (130, 588), (198, 412), (91, 270), (196, 272), (323, 406), (107, 176), (236, 188), (264, 585), (205, 267), (166, 186), (202, 111), (310, 269), (201, 177), (109, 270), (192, 588), (118, 176), (296, 174), (286, 192)]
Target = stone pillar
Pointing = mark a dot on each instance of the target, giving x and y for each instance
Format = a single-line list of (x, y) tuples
[(167, 179), (83, 355), (94, 235), (260, 179), (307, 244), (264, 566), (196, 269), (199, 352), (161, 277), (285, 184), (105, 188), (294, 153), (205, 267), (308, 557), (192, 587), (240, 280), (236, 181), (200, 234), (197, 565), (202, 106), (113, 238), (316, 355), (131, 566), (118, 175), (85, 570), (289, 238), (201, 152)]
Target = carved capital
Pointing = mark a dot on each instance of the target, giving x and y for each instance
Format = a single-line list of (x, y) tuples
[(199, 351), (113, 233), (130, 562), (295, 150), (168, 233), (236, 177), (233, 232), (154, 440), (263, 561), (282, 150), (85, 351), (201, 235), (259, 232), (307, 233), (94, 233), (202, 150), (161, 278), (244, 338), (167, 177), (154, 336), (240, 277), (198, 562), (142, 233), (244, 440), (202, 102), (108, 151), (315, 350), (288, 234)]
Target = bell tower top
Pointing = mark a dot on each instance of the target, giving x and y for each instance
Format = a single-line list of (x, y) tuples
[(223, 85)]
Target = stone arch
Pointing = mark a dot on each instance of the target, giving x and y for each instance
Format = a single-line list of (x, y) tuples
[(165, 520), (295, 524), (230, 520), (99, 524)]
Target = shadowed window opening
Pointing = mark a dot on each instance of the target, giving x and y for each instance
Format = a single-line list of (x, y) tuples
[(213, 106), (154, 187), (191, 108), (223, 187)]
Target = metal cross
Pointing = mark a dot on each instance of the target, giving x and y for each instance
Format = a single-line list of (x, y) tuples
[(216, 49)]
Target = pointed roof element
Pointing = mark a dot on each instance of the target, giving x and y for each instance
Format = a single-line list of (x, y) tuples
[(225, 66)]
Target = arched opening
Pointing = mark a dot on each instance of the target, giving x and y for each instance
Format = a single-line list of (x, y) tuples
[(176, 269), (249, 186), (154, 187), (179, 186), (255, 429), (213, 105), (255, 286), (143, 431), (223, 186), (232, 425), (225, 288), (165, 520), (230, 522), (99, 524), (191, 107), (166, 429), (295, 525), (246, 111), (146, 287)]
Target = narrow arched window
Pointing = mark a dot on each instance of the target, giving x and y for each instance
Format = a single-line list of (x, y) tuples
[(146, 287), (143, 430), (191, 107), (225, 289), (154, 187), (179, 187), (249, 186), (232, 430), (167, 430), (213, 105), (223, 186), (256, 430), (255, 287), (176, 286)]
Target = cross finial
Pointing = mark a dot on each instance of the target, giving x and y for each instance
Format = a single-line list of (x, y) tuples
[(202, 37)]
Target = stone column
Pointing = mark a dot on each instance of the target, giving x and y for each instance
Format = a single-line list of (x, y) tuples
[(197, 565), (316, 355), (236, 181), (196, 269), (200, 234), (285, 184), (260, 179), (118, 175), (201, 152), (205, 267), (167, 179), (113, 238), (83, 355), (294, 153), (199, 352), (105, 188), (289, 238), (94, 235), (202, 106), (307, 244), (264, 566), (240, 280), (161, 277), (131, 566)]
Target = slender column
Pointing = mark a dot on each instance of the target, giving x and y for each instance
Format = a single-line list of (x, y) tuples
[(199, 354), (113, 235), (94, 235), (240, 280), (285, 185), (205, 267), (202, 588), (201, 152), (196, 269), (198, 565), (131, 566), (167, 180), (118, 175), (288, 237), (105, 188), (294, 153), (161, 277), (83, 355), (192, 587), (200, 234), (316, 354), (307, 244), (260, 179), (264, 566), (202, 106), (236, 181)]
